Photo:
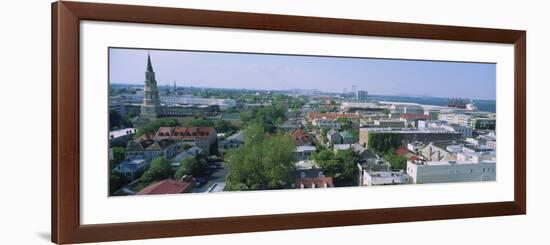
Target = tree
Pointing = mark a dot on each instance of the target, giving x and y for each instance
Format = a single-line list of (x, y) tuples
[(348, 167), (118, 155), (159, 170), (396, 162), (386, 111), (117, 181), (198, 122), (342, 165), (115, 120), (345, 123), (268, 117), (223, 126), (264, 162), (383, 142), (191, 166)]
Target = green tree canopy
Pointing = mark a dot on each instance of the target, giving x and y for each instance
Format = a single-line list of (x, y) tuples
[(342, 165), (223, 126), (264, 162), (191, 166), (117, 181), (198, 122), (396, 162), (268, 117), (159, 170), (118, 155), (115, 120), (383, 142)]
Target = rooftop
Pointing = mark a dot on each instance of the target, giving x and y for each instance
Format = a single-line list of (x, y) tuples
[(407, 130), (167, 186), (302, 148), (342, 146), (306, 164)]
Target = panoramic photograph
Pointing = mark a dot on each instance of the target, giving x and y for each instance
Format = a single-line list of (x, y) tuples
[(205, 122)]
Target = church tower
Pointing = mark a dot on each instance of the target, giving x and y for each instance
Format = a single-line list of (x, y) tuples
[(151, 101)]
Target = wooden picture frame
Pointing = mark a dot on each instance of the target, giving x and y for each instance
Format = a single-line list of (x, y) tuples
[(65, 169)]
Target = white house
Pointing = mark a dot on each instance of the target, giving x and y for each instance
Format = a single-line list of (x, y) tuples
[(451, 171), (384, 178)]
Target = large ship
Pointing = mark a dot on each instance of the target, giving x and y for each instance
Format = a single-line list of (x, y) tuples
[(462, 104)]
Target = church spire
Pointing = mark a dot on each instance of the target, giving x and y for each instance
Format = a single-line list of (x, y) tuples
[(149, 65)]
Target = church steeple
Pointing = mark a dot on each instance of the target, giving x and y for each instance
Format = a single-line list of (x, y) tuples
[(151, 99), (149, 65)]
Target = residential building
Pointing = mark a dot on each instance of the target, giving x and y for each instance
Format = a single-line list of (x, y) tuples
[(300, 137), (413, 119), (334, 137), (461, 119), (375, 178), (311, 183), (307, 169), (232, 142), (347, 137), (203, 137), (444, 150), (303, 152), (450, 171), (132, 169), (147, 148), (466, 131), (192, 152), (404, 152), (326, 123)]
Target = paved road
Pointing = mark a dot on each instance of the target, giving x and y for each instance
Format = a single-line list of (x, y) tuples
[(218, 176)]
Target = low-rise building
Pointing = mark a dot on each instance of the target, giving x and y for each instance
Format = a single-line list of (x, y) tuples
[(375, 178), (203, 137), (413, 119), (234, 141), (147, 148), (334, 137), (300, 137), (132, 169), (326, 123), (450, 171), (341, 147), (307, 169), (347, 137), (303, 152), (312, 183)]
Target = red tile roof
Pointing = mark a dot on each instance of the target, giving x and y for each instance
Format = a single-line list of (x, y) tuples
[(318, 182), (401, 151), (300, 137), (168, 186)]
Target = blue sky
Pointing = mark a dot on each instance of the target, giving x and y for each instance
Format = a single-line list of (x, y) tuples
[(334, 74)]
